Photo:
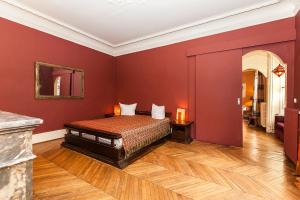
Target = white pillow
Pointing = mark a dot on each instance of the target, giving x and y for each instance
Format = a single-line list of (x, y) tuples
[(128, 110), (158, 112)]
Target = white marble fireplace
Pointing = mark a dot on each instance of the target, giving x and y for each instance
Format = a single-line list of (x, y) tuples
[(16, 155)]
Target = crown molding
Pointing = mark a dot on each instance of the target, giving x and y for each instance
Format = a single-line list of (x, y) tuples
[(203, 21), (257, 14), (296, 4), (229, 22), (21, 14)]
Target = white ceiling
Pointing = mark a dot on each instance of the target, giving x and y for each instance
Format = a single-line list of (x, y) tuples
[(119, 23)]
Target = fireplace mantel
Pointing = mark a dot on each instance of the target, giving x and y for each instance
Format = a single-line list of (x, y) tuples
[(16, 155)]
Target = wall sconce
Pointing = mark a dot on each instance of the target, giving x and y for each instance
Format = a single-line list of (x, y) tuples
[(180, 115), (117, 110)]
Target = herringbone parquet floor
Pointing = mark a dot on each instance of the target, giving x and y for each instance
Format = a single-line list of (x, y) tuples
[(259, 170)]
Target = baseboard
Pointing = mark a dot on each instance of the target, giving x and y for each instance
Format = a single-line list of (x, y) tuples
[(47, 136)]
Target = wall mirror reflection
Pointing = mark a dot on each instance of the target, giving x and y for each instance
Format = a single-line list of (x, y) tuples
[(55, 81)]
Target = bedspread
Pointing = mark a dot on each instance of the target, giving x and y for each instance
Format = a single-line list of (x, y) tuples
[(136, 131)]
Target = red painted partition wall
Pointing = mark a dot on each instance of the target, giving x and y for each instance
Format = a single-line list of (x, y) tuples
[(218, 97), (291, 131), (21, 46)]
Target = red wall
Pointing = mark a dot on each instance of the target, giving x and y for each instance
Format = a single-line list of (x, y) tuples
[(165, 76), (21, 46), (154, 76)]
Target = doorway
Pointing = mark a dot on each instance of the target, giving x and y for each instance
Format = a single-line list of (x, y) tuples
[(263, 93), (215, 93)]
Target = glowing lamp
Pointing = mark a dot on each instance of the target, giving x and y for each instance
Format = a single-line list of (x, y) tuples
[(180, 115), (117, 110), (279, 70), (249, 103)]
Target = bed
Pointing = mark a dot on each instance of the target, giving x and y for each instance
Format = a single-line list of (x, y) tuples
[(117, 140)]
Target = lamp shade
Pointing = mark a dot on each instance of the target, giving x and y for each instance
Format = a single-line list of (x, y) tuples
[(279, 70), (180, 115), (117, 110)]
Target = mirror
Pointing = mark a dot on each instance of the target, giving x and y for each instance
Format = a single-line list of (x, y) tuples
[(54, 81)]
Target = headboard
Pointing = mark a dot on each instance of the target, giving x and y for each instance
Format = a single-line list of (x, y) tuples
[(168, 114)]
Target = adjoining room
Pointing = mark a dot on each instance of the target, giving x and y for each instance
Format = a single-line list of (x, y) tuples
[(264, 95)]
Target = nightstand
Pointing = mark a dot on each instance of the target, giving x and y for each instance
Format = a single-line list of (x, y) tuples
[(181, 131)]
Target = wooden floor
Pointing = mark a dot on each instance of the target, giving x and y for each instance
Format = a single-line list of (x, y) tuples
[(172, 171)]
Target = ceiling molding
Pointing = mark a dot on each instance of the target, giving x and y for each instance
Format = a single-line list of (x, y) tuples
[(203, 21), (281, 10), (257, 14), (296, 4), (21, 14)]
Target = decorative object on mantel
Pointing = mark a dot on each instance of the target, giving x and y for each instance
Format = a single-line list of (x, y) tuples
[(279, 70), (180, 115), (16, 155)]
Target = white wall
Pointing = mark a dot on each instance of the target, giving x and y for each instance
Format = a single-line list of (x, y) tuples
[(256, 60)]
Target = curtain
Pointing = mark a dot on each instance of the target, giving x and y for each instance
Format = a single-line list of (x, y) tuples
[(259, 90)]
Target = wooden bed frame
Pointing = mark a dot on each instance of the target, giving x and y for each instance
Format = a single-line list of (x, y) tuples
[(102, 151)]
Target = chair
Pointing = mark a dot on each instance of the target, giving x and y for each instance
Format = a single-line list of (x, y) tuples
[(254, 119), (247, 111)]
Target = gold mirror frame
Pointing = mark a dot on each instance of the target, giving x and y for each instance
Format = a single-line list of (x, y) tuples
[(37, 81)]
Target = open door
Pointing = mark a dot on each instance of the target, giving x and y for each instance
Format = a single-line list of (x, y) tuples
[(218, 97)]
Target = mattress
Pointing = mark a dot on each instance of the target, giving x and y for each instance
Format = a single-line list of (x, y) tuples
[(134, 132)]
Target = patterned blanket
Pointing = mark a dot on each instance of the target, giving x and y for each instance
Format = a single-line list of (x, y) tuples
[(136, 131)]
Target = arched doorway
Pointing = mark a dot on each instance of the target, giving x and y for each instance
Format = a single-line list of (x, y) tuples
[(269, 89)]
